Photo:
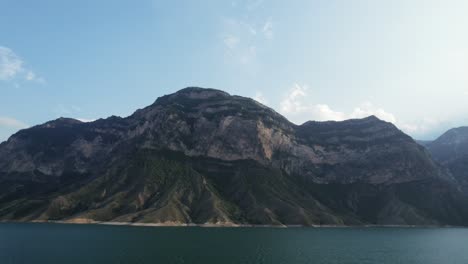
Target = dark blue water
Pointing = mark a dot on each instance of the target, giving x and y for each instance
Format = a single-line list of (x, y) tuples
[(56, 243)]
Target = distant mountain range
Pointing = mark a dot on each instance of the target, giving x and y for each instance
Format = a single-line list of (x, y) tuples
[(204, 156), (451, 150)]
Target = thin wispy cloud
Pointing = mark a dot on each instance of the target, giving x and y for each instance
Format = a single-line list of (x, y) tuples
[(231, 41), (30, 76), (72, 111), (244, 36), (239, 41), (259, 97), (254, 4), (62, 110), (12, 68), (422, 126), (8, 122), (268, 29), (248, 55), (10, 64), (251, 29)]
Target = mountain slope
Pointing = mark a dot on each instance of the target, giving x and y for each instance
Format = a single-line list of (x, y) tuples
[(451, 150), (204, 156)]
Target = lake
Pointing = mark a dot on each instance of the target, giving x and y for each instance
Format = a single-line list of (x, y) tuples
[(60, 243)]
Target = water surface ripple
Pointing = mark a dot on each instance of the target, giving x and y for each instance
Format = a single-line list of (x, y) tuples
[(60, 243)]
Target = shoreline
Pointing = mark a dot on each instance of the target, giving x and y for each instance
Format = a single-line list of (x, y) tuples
[(220, 225)]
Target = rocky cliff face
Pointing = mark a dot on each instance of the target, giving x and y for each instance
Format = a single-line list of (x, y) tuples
[(204, 156), (451, 150)]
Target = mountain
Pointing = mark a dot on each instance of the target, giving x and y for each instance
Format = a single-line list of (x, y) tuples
[(424, 142), (451, 150), (204, 156)]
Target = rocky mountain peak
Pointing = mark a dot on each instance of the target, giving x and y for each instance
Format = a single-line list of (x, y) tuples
[(454, 136), (61, 121), (451, 150), (208, 104), (192, 93), (451, 145)]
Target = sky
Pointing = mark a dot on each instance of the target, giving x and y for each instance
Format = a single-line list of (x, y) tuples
[(404, 61)]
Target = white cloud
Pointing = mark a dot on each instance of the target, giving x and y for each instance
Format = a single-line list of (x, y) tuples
[(231, 41), (259, 97), (323, 112), (244, 36), (423, 126), (86, 120), (12, 67), (10, 64), (268, 29), (11, 123), (367, 109), (30, 76), (292, 103), (296, 107)]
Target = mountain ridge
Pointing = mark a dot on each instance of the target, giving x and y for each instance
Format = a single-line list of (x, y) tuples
[(451, 150), (204, 156)]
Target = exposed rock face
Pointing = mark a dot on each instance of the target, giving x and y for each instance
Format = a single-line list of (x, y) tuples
[(204, 156), (451, 150)]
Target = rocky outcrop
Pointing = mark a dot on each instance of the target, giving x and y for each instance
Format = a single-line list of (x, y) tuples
[(204, 156)]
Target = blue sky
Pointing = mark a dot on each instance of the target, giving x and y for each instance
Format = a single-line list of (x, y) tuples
[(404, 61)]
